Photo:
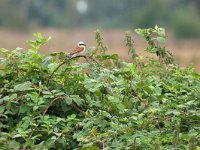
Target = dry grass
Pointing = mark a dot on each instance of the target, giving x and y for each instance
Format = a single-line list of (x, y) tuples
[(186, 51)]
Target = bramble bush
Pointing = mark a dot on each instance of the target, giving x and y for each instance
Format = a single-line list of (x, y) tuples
[(52, 102)]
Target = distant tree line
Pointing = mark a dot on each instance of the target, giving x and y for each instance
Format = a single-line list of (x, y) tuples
[(182, 16)]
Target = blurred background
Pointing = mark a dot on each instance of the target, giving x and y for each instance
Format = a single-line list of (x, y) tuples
[(69, 21)]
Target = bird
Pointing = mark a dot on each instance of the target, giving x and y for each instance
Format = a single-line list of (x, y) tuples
[(79, 49)]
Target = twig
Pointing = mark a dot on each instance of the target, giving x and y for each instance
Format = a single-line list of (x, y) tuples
[(54, 72), (77, 108), (146, 105), (91, 57), (102, 144), (155, 121), (95, 61), (44, 112), (73, 105), (135, 146), (84, 56)]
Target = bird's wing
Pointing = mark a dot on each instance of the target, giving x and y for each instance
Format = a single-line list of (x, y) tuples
[(77, 50)]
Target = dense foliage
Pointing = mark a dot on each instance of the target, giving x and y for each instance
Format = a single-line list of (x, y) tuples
[(105, 103)]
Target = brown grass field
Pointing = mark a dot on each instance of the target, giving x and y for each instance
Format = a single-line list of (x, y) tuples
[(186, 51)]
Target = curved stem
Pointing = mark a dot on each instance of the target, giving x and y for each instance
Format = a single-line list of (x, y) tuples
[(47, 83), (54, 72)]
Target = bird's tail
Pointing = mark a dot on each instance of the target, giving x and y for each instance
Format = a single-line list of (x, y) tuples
[(69, 56)]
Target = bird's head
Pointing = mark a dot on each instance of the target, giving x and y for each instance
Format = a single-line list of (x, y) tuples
[(81, 44)]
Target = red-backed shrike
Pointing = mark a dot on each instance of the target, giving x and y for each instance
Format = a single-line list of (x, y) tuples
[(80, 49)]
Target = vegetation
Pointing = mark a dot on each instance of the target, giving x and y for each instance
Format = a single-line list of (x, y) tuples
[(51, 102)]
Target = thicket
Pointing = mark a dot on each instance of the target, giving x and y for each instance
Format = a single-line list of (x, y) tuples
[(52, 102)]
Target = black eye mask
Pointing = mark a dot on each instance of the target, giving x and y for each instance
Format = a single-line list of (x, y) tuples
[(82, 44)]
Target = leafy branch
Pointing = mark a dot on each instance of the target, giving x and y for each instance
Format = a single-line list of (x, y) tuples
[(129, 44), (154, 36)]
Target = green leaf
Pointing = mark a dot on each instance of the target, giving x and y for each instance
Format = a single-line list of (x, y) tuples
[(159, 39), (91, 51), (35, 108), (23, 86), (158, 91), (13, 96), (175, 112), (106, 57), (74, 98), (2, 109), (91, 148), (153, 49), (17, 136), (68, 101), (4, 99), (92, 85), (24, 109)]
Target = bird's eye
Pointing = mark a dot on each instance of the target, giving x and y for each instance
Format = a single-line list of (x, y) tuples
[(81, 44)]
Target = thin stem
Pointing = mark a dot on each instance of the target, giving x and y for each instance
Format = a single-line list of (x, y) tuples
[(73, 105), (77, 108), (54, 72), (65, 62), (51, 103)]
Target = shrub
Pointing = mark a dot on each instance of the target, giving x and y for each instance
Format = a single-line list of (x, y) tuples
[(50, 102)]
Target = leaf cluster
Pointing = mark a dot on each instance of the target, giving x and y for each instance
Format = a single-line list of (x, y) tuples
[(101, 104)]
